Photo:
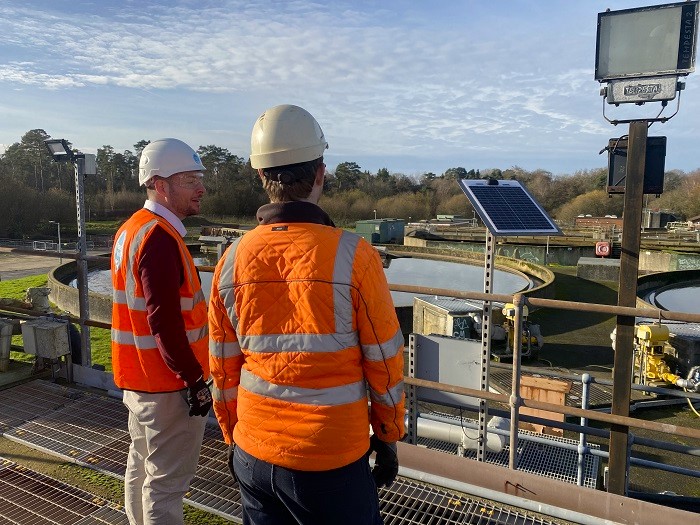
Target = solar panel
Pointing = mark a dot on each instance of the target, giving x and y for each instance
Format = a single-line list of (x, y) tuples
[(506, 208)]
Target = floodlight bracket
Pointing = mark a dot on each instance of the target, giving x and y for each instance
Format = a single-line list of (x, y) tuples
[(680, 86)]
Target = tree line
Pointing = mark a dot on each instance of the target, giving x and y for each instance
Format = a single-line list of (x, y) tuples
[(38, 190)]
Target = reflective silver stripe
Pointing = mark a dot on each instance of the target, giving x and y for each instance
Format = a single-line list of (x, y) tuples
[(148, 342), (224, 350), (197, 334), (334, 396), (224, 395), (228, 296), (139, 303), (119, 297), (143, 342), (298, 342), (384, 351), (391, 398), (189, 303), (130, 285), (342, 279)]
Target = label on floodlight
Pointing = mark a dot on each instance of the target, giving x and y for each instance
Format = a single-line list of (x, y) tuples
[(641, 90)]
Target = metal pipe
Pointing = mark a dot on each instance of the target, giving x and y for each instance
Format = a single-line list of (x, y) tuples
[(663, 466), (666, 445), (449, 432)]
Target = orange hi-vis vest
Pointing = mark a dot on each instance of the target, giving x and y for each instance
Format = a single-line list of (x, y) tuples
[(303, 333), (136, 360)]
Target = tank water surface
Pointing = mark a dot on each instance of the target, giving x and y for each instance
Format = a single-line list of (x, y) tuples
[(682, 297), (410, 271)]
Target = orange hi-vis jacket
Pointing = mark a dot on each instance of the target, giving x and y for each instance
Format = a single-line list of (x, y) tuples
[(136, 360), (302, 325)]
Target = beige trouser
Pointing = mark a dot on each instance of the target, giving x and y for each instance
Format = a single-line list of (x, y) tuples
[(163, 456)]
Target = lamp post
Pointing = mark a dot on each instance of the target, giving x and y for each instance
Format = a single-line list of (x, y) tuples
[(375, 214), (84, 165), (58, 224)]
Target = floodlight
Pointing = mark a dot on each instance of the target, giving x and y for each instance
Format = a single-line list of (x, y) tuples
[(646, 41), (59, 150)]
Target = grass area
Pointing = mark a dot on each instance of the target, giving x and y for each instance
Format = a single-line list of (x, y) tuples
[(16, 288), (100, 338)]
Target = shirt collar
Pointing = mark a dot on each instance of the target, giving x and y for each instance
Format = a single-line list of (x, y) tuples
[(169, 216)]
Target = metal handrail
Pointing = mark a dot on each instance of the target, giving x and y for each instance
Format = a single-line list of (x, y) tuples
[(513, 400)]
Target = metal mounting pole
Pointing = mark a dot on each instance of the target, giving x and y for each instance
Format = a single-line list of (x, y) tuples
[(60, 259), (489, 268), (627, 296), (82, 265), (515, 399)]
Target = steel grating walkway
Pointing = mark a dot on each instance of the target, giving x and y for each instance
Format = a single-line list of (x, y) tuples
[(30, 498), (91, 430), (546, 460)]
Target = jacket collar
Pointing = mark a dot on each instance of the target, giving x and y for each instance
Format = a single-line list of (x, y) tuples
[(294, 211)]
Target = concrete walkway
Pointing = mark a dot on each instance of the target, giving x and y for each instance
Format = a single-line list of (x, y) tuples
[(16, 265)]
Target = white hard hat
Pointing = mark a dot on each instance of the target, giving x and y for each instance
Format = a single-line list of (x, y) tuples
[(285, 135), (166, 157)]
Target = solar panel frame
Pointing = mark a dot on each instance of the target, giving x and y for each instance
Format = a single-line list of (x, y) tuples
[(507, 208)]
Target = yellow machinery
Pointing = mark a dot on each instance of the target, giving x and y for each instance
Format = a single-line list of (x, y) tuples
[(651, 367), (530, 341)]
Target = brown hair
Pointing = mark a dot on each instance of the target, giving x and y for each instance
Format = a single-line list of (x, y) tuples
[(292, 182)]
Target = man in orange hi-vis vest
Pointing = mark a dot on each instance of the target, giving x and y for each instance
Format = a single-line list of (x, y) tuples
[(303, 335), (159, 336)]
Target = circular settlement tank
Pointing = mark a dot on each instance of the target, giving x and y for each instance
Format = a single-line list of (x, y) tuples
[(676, 297), (404, 270)]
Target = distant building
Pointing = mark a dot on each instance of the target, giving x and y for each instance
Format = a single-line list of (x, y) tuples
[(694, 222), (381, 231), (652, 219), (607, 222)]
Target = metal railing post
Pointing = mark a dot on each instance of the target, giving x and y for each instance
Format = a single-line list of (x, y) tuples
[(518, 301)]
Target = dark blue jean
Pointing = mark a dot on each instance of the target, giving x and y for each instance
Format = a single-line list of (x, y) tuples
[(273, 495)]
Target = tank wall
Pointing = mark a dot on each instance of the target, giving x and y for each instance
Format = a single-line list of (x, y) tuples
[(67, 298)]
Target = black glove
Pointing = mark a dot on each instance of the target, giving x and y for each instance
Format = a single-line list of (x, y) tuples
[(199, 398), (229, 460), (386, 461)]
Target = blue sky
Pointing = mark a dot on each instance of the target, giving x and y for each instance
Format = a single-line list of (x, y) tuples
[(413, 86)]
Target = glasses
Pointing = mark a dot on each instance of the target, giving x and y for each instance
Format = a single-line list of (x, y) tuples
[(187, 180)]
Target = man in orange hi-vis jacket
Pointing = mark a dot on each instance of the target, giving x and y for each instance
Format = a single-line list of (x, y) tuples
[(159, 336), (303, 332)]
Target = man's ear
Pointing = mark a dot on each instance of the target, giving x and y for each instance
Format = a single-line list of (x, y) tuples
[(320, 175)]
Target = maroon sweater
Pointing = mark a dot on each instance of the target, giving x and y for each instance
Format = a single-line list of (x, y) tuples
[(162, 274)]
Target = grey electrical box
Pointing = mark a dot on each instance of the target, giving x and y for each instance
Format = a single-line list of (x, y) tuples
[(450, 316), (89, 164), (46, 338), (446, 360), (654, 165)]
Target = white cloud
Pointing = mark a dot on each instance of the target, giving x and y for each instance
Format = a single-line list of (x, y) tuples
[(395, 78)]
